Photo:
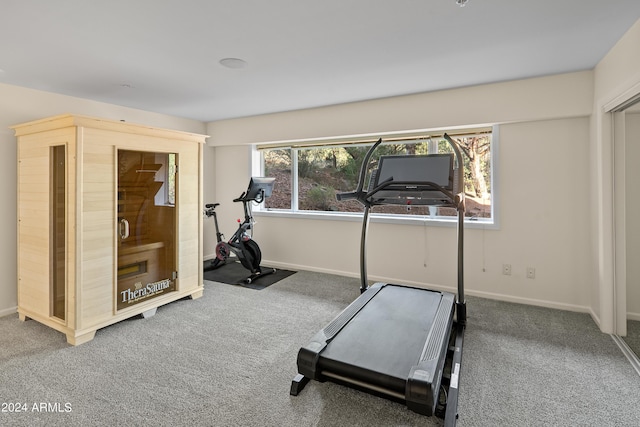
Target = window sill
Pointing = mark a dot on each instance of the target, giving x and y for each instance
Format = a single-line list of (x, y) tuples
[(378, 218)]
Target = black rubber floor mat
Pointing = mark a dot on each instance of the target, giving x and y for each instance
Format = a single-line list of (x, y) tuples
[(234, 273)]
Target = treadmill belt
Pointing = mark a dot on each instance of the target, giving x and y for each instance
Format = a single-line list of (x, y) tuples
[(386, 338)]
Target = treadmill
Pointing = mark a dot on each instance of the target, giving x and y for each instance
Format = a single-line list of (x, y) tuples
[(394, 340)]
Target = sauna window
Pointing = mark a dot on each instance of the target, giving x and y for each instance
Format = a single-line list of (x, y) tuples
[(58, 249)]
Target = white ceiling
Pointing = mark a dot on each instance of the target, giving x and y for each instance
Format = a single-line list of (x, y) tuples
[(163, 55)]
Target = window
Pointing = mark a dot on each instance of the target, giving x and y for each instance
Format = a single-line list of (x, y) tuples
[(171, 180), (309, 177), (166, 174)]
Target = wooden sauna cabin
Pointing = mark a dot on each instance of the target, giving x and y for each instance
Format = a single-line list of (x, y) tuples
[(109, 221)]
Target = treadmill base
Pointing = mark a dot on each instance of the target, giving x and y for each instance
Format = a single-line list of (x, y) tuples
[(418, 321)]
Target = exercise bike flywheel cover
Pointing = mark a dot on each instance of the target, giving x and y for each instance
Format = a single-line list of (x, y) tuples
[(222, 251)]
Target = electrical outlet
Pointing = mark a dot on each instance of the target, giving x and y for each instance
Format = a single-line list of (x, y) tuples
[(531, 273), (506, 269)]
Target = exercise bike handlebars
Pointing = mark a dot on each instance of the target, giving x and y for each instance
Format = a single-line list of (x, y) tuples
[(244, 199)]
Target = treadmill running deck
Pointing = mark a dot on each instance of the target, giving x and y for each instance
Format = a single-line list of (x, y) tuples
[(392, 339), (386, 337)]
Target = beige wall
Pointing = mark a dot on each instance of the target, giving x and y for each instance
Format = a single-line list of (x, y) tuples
[(228, 178), (541, 226), (567, 95), (20, 105), (543, 167)]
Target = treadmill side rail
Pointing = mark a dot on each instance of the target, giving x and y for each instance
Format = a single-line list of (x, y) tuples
[(309, 354), (424, 379)]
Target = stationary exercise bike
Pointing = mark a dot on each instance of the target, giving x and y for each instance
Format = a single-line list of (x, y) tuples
[(241, 243)]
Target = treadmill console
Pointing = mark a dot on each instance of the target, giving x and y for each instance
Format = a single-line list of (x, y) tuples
[(418, 180)]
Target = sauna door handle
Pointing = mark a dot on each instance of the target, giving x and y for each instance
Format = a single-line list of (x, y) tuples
[(124, 228)]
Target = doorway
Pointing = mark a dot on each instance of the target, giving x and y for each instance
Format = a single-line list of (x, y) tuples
[(626, 136)]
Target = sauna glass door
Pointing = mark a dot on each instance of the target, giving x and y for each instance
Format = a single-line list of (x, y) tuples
[(145, 226)]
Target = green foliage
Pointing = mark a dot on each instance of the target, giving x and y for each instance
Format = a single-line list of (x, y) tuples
[(348, 164), (320, 198), (276, 160), (305, 164), (484, 159)]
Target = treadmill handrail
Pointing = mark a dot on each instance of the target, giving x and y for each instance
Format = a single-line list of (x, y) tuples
[(357, 194), (456, 198), (365, 163)]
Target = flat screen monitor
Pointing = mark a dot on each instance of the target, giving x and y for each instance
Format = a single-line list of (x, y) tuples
[(257, 185), (416, 170)]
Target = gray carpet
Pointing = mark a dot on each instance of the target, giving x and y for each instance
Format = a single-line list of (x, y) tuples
[(227, 359)]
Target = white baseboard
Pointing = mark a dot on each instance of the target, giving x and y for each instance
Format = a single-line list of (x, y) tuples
[(532, 301), (297, 267), (481, 294), (595, 317), (8, 311)]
